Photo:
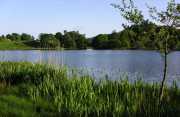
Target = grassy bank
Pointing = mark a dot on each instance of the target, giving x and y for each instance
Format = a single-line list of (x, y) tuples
[(11, 45), (39, 90), (25, 45)]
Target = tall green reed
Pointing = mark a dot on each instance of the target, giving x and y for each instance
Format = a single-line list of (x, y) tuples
[(76, 95)]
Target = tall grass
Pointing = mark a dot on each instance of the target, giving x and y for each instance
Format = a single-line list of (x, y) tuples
[(54, 93)]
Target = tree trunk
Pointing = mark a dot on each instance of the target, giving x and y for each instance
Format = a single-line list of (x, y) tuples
[(165, 70), (164, 77)]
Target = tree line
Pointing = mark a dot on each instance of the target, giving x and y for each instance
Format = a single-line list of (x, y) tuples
[(68, 40), (146, 35)]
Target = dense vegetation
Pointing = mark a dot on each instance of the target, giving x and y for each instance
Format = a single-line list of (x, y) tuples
[(28, 89), (143, 36), (68, 40)]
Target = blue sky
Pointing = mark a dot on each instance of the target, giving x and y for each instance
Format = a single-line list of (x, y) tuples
[(90, 17)]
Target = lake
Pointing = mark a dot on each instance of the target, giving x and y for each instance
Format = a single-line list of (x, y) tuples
[(99, 63)]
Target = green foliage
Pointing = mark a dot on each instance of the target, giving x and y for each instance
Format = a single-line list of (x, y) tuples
[(59, 36), (48, 41), (68, 40), (100, 41), (14, 37), (114, 44), (81, 42), (163, 41), (15, 73), (26, 37), (74, 40), (11, 105), (42, 90), (130, 12), (170, 18), (18, 37), (35, 44), (145, 36)]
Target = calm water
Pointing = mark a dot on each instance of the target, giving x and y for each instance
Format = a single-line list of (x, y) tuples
[(145, 64)]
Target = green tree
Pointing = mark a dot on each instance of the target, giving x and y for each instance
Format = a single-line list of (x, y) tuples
[(100, 41), (48, 41), (125, 40), (74, 40), (130, 12), (59, 36), (14, 37), (114, 36), (81, 42), (26, 37), (69, 41), (170, 18), (114, 44)]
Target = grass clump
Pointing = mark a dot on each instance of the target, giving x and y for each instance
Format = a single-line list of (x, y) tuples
[(49, 91)]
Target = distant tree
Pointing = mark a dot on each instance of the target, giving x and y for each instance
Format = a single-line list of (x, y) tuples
[(26, 37), (74, 40), (14, 37), (8, 36), (114, 40), (81, 42), (114, 44), (134, 16), (59, 36), (89, 42), (69, 41), (125, 40), (114, 36), (48, 41), (3, 37), (100, 41)]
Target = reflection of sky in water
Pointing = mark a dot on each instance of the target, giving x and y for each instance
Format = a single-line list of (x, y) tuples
[(147, 64), (19, 56)]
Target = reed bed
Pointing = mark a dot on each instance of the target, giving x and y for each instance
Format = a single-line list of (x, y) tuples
[(50, 91)]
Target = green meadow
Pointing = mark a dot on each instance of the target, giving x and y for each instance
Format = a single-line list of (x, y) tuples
[(12, 45)]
